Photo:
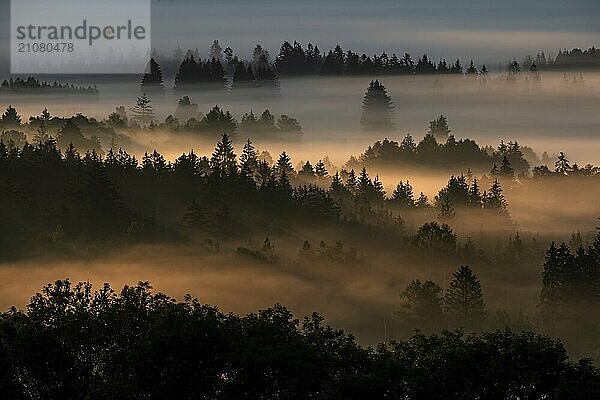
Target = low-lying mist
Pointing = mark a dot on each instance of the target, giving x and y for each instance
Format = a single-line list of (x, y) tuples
[(361, 297), (553, 115)]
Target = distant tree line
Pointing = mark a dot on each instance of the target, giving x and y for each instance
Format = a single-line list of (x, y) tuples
[(507, 159), (574, 59), (32, 85), (217, 121), (221, 67), (88, 133), (294, 59), (76, 342)]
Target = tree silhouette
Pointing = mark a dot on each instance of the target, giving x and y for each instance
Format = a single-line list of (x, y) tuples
[(249, 161), (223, 161), (377, 109), (143, 112), (463, 301), (494, 198), (148, 344), (321, 170), (70, 134), (218, 121), (284, 165), (152, 80), (10, 119), (439, 129), (403, 195), (266, 123), (514, 68), (216, 51), (562, 164), (506, 169), (286, 124), (472, 70), (422, 304)]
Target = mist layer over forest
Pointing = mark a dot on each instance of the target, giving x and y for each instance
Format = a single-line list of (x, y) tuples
[(246, 225), (548, 117)]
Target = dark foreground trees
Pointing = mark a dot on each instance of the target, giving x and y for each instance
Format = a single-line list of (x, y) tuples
[(73, 342)]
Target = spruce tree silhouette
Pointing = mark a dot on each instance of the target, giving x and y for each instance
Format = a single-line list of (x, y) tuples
[(10, 119), (377, 109), (248, 161), (287, 124), (403, 195), (143, 113), (463, 301), (472, 70), (219, 121), (439, 129), (223, 161), (562, 164), (152, 79)]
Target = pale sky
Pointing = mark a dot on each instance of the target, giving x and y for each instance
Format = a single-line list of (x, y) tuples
[(488, 30)]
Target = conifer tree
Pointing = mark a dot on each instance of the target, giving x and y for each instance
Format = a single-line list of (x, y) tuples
[(494, 198), (41, 134), (352, 182), (242, 74), (337, 185), (249, 123), (471, 70), (249, 161), (365, 185), (439, 128), (266, 122), (377, 109), (188, 72), (307, 172), (287, 124), (218, 121), (142, 111), (506, 169), (513, 70), (223, 162), (379, 191), (320, 171), (475, 198), (283, 184), (284, 165), (10, 119), (216, 51), (562, 165), (422, 201), (446, 209), (152, 79), (403, 195), (463, 301), (457, 68), (408, 144)]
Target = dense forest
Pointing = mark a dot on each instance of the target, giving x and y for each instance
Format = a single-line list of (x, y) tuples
[(75, 342), (406, 210), (294, 59), (54, 192)]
